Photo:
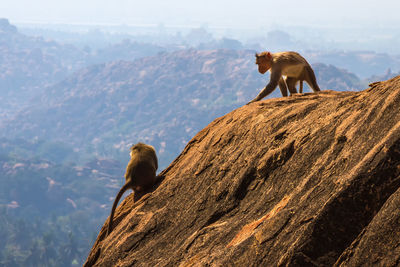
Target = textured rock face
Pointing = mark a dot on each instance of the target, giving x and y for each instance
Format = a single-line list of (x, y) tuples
[(301, 181)]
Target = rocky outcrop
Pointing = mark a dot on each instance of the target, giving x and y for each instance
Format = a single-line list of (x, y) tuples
[(308, 180)]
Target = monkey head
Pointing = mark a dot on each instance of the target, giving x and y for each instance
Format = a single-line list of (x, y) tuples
[(264, 62)]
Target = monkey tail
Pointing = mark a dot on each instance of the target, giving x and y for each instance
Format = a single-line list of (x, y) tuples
[(120, 193), (311, 76)]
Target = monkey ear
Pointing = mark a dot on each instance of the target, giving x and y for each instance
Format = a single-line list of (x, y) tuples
[(269, 55), (256, 55)]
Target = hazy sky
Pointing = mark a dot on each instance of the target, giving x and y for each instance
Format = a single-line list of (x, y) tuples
[(214, 13)]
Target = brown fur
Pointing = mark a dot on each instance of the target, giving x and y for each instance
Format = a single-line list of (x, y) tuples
[(287, 69), (140, 174)]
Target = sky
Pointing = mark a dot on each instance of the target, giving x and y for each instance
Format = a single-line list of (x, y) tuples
[(213, 13)]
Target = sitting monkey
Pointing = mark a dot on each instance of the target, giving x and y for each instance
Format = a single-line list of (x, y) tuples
[(140, 174), (287, 68)]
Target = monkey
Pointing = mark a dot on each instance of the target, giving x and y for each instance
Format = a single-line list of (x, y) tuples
[(287, 68), (140, 174)]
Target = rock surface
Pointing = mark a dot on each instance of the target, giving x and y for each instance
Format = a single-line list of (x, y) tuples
[(308, 180)]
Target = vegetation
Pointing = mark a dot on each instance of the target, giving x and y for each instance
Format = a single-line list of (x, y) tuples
[(50, 213)]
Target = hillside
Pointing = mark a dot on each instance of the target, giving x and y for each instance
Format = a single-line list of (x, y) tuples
[(49, 212), (29, 61), (310, 180), (28, 64), (162, 100)]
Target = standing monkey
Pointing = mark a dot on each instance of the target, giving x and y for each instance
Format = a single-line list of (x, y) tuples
[(140, 174), (287, 68)]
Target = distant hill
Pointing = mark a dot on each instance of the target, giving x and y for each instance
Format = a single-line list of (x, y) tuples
[(27, 62), (162, 100), (363, 63), (333, 78), (127, 50)]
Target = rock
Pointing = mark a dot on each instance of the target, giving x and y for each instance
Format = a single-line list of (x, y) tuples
[(307, 180), (378, 243)]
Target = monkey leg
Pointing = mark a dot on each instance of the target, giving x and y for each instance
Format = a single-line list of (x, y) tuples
[(291, 84), (283, 87), (311, 80), (273, 83)]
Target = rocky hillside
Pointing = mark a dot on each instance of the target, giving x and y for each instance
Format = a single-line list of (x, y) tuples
[(162, 100), (27, 62), (310, 180)]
